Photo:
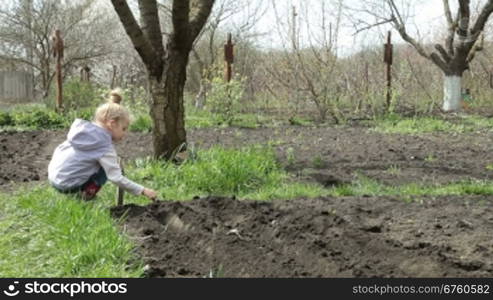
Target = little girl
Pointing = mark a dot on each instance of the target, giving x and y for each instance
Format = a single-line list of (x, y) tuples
[(84, 162)]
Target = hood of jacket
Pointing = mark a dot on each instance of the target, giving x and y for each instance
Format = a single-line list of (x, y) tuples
[(87, 136)]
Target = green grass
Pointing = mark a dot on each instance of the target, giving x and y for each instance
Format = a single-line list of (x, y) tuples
[(396, 124), (249, 173), (36, 117), (47, 234), (141, 123), (300, 121), (196, 118), (365, 186)]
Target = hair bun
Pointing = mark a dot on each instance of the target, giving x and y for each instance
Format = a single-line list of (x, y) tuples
[(115, 96)]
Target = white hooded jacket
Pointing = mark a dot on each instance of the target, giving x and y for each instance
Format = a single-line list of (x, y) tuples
[(88, 148)]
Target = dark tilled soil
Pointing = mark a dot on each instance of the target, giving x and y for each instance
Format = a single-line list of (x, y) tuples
[(326, 237), (324, 154), (350, 236), (23, 157)]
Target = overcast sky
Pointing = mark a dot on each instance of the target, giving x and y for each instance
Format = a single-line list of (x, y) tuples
[(427, 14)]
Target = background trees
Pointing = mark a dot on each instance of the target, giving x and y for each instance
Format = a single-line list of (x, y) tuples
[(464, 37), (26, 28), (325, 62)]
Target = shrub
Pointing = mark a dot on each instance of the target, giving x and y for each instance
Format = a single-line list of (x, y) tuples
[(6, 119), (39, 118), (42, 118), (77, 94), (143, 123), (224, 98)]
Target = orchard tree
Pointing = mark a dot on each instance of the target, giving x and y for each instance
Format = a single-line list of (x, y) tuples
[(310, 73), (166, 62), (26, 28), (462, 41)]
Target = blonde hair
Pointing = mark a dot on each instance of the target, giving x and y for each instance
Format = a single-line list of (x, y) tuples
[(112, 110)]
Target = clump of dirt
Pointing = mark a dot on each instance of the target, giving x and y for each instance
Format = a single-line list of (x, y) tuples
[(324, 237)]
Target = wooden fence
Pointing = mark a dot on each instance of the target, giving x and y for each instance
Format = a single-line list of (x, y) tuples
[(16, 86)]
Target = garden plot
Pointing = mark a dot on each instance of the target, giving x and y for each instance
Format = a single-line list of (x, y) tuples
[(356, 235), (325, 237)]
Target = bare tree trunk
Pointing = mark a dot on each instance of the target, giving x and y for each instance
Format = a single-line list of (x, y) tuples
[(452, 92), (168, 112), (166, 66), (463, 40), (201, 95)]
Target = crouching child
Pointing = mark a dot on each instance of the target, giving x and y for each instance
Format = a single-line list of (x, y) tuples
[(87, 158)]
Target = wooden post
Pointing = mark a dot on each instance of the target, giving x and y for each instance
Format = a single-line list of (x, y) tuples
[(228, 58), (388, 53), (113, 77), (491, 79), (366, 87), (58, 49), (119, 191), (85, 73)]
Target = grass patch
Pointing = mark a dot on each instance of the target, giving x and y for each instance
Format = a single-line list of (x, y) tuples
[(365, 186), (248, 173), (300, 121), (201, 118), (38, 117), (141, 123), (395, 124), (47, 234)]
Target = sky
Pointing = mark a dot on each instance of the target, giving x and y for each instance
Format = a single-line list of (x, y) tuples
[(428, 14)]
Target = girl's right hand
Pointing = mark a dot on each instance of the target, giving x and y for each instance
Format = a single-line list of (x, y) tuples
[(151, 194)]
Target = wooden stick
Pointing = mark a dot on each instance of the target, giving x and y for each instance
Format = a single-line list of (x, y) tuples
[(119, 191)]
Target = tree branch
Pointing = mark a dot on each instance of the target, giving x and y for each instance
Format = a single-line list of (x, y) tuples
[(139, 40), (443, 53), (482, 18), (478, 46), (449, 41), (373, 25), (201, 11), (181, 22), (465, 15), (448, 13), (150, 24), (439, 62), (393, 9), (413, 42)]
